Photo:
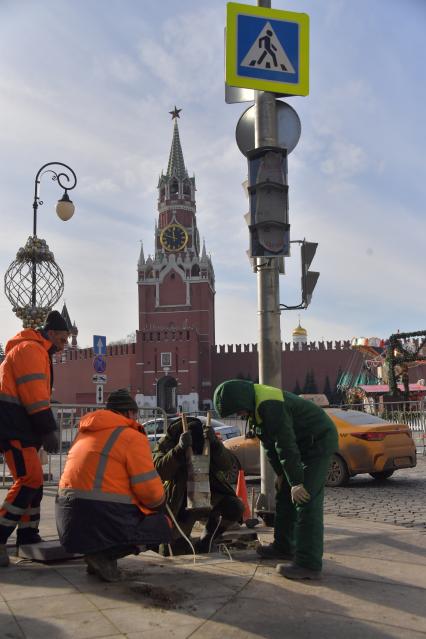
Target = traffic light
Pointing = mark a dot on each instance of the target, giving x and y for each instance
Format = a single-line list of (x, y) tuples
[(268, 197), (309, 278)]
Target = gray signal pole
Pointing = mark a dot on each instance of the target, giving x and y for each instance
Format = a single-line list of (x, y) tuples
[(268, 294)]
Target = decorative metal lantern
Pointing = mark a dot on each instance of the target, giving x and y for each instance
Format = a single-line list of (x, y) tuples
[(33, 283)]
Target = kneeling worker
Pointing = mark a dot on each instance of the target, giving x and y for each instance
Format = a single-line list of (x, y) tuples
[(170, 462), (299, 439), (109, 493)]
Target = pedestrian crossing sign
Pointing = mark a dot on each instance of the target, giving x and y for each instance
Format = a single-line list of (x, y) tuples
[(267, 49)]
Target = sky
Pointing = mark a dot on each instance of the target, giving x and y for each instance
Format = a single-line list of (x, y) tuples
[(90, 83)]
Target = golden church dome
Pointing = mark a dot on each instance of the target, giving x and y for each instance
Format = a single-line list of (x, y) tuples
[(299, 330)]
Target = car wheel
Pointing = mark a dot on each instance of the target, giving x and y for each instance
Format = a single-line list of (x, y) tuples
[(384, 474), (338, 474), (231, 476)]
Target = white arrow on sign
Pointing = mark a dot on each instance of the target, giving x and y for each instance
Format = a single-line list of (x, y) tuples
[(99, 394), (100, 345)]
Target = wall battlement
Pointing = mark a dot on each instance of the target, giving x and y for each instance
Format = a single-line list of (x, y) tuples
[(73, 354), (337, 345)]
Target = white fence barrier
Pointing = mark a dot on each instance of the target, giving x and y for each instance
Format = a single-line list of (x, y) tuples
[(67, 417)]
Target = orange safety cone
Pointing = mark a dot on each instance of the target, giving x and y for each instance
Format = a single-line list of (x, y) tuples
[(242, 494)]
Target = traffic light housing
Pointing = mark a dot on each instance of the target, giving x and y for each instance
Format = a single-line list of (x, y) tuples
[(309, 278), (268, 197)]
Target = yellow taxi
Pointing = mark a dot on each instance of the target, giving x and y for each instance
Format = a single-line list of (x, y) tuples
[(367, 444)]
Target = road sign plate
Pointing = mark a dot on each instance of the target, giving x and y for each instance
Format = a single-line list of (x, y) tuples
[(99, 344), (267, 49), (99, 364), (99, 394), (288, 128), (99, 379)]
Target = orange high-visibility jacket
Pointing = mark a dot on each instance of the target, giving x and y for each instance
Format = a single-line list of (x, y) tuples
[(111, 461), (109, 488), (25, 388)]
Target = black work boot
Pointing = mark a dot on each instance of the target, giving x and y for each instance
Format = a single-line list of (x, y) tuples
[(4, 556), (293, 571), (270, 551), (27, 536), (106, 569)]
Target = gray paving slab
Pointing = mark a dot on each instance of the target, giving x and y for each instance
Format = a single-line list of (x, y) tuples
[(374, 586)]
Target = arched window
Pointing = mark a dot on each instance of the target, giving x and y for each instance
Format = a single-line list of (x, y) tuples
[(174, 187), (195, 271)]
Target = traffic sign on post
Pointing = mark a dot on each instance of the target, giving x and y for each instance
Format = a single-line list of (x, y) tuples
[(99, 364), (99, 394), (267, 49), (99, 344)]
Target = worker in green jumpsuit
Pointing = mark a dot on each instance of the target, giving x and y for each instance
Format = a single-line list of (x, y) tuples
[(299, 439)]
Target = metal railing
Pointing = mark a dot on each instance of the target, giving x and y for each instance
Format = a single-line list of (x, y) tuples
[(67, 417)]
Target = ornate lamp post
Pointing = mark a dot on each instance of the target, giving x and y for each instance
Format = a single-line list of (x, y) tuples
[(33, 283)]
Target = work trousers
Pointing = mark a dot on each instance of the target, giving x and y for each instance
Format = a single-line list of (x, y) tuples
[(299, 529), (227, 509), (21, 507)]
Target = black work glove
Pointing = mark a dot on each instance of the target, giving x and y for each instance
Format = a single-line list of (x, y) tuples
[(210, 434), (185, 440), (50, 442)]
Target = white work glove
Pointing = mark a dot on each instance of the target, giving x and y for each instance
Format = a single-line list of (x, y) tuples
[(299, 494)]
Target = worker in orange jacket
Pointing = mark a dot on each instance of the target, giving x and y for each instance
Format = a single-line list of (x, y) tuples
[(110, 499), (26, 424)]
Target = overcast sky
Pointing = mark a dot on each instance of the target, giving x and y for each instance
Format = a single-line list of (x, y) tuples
[(91, 82)]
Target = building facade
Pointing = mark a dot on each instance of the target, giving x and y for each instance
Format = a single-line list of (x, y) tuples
[(174, 361)]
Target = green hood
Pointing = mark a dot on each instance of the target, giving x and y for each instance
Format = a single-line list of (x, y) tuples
[(233, 396)]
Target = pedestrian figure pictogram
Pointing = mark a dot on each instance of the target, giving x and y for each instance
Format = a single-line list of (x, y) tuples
[(266, 51)]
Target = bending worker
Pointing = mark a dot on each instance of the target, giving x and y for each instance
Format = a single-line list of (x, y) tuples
[(170, 462), (27, 423), (299, 439), (110, 498)]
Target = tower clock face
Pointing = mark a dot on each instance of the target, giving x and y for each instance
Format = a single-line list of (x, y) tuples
[(173, 237)]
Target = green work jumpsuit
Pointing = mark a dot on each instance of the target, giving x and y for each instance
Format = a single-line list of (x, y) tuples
[(299, 439)]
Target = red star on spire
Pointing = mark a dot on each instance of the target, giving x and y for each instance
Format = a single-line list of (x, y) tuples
[(175, 113)]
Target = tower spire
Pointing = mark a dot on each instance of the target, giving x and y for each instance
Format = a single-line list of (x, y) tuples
[(141, 260), (176, 166)]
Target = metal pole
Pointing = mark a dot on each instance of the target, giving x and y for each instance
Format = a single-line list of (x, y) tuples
[(58, 177), (269, 353), (34, 267)]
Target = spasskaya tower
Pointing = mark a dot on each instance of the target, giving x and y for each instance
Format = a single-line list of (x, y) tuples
[(176, 299)]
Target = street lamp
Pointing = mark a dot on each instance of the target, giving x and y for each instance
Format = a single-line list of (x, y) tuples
[(34, 282), (65, 207)]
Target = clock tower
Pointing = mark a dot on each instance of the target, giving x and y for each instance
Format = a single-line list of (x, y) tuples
[(176, 299)]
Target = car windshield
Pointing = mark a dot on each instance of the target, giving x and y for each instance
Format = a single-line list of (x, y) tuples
[(153, 427), (356, 417)]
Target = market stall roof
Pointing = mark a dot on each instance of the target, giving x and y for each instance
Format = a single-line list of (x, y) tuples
[(384, 388)]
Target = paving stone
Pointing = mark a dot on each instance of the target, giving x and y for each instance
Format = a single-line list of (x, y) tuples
[(83, 625)]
